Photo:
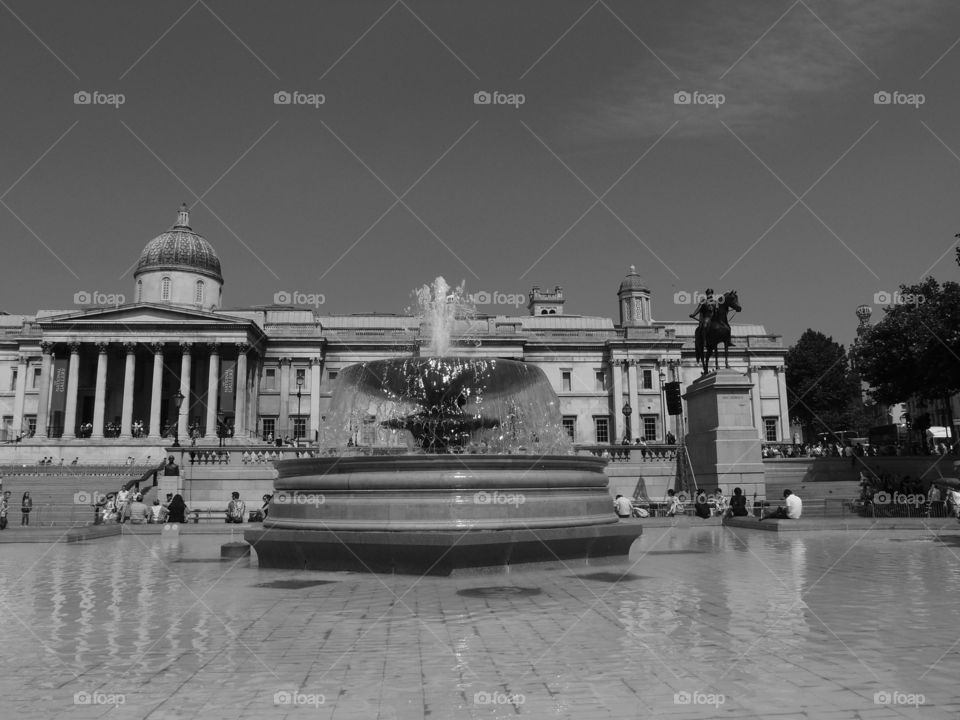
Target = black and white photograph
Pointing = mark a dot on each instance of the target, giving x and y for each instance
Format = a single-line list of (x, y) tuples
[(409, 359)]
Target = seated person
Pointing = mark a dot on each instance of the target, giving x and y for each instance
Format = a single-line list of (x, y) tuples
[(674, 506), (792, 511), (700, 506), (738, 504), (158, 513), (137, 511), (623, 507), (235, 509)]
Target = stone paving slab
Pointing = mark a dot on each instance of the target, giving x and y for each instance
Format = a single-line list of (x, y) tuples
[(947, 525)]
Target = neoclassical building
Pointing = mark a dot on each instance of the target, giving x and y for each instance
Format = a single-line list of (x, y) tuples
[(113, 375)]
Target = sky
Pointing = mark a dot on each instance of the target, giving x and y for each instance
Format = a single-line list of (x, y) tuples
[(785, 176)]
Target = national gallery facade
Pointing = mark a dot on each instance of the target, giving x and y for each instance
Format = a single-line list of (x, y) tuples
[(175, 363)]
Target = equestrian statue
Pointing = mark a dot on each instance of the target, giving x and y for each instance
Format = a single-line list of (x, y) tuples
[(714, 328)]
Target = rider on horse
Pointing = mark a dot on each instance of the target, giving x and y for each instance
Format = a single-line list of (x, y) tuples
[(706, 308)]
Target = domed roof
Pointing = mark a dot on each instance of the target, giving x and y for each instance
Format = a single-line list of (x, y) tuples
[(180, 248), (633, 282)]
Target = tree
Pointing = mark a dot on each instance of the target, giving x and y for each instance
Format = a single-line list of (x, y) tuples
[(914, 351), (823, 392)]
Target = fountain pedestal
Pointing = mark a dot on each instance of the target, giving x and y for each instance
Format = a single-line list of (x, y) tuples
[(722, 441)]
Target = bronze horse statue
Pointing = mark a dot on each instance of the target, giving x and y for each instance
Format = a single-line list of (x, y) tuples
[(717, 331)]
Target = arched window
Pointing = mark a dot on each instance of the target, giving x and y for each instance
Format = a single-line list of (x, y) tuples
[(165, 289), (198, 293), (139, 290)]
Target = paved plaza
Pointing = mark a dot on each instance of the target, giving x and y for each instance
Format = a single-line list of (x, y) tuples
[(699, 623)]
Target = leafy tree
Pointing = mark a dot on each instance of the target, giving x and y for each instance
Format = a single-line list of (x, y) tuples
[(914, 351), (823, 392)]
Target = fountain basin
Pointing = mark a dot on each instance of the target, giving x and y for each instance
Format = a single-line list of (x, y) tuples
[(438, 513)]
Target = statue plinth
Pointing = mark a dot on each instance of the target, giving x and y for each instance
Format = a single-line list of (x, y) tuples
[(722, 440)]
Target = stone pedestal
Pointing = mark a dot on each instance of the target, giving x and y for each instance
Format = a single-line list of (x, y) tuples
[(722, 442)]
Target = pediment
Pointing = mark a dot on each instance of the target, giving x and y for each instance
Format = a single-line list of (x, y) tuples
[(142, 314)]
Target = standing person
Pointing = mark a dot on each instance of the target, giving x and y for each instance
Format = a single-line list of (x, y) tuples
[(4, 508), (123, 500), (26, 505), (235, 509), (177, 510), (935, 505)]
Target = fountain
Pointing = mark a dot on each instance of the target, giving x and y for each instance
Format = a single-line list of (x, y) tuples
[(437, 464)]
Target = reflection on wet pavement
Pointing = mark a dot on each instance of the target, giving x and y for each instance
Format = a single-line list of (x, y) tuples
[(699, 622)]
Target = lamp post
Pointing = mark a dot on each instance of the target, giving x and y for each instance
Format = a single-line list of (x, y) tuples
[(177, 402), (627, 412), (299, 395)]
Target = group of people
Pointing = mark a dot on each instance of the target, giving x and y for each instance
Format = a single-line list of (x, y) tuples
[(127, 505), (26, 506), (710, 505)]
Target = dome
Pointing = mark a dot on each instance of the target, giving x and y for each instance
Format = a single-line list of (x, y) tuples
[(633, 282), (180, 248)]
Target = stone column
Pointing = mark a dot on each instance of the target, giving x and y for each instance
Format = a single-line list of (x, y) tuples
[(213, 385), (73, 382), (754, 374), (100, 397), (315, 367), (43, 399), (784, 405), (156, 390), (20, 398), (183, 416), (635, 429), (129, 370), (616, 422), (284, 420), (242, 385)]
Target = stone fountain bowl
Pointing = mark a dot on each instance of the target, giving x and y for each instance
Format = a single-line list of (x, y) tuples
[(440, 492), (438, 514)]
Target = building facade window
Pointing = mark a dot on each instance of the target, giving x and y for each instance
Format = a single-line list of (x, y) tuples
[(601, 429), (299, 427), (30, 421), (139, 290), (566, 381), (648, 379), (198, 292), (570, 426), (332, 375), (300, 380), (165, 289), (35, 381), (13, 379), (600, 381), (770, 429), (650, 428), (270, 379), (269, 425)]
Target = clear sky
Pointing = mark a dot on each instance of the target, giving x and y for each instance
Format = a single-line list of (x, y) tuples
[(798, 190)]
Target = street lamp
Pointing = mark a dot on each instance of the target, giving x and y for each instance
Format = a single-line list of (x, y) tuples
[(299, 395), (177, 402), (663, 411), (627, 412)]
